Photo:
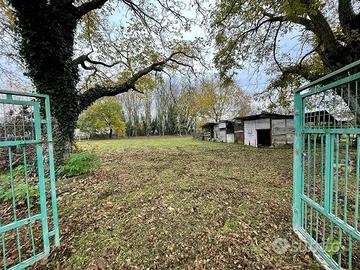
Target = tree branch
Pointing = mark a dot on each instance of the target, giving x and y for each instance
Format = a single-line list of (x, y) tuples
[(225, 17), (231, 45), (304, 71), (82, 59), (89, 6), (317, 24), (309, 53), (138, 11), (171, 10), (24, 6), (98, 91), (274, 46), (137, 90), (294, 19), (324, 32)]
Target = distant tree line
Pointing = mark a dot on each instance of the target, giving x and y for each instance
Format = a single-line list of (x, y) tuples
[(180, 106), (165, 107)]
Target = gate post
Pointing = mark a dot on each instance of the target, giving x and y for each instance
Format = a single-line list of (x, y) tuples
[(298, 161)]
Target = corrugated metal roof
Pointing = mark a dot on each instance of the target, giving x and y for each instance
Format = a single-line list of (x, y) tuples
[(266, 115)]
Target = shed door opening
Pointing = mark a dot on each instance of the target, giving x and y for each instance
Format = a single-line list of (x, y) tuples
[(264, 137)]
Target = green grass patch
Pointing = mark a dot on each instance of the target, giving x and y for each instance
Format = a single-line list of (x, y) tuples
[(178, 203), (146, 142)]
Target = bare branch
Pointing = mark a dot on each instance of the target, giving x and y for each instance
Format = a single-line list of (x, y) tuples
[(304, 71), (172, 11), (308, 54), (142, 15), (274, 47), (82, 59), (102, 63), (137, 90), (182, 64), (241, 35)]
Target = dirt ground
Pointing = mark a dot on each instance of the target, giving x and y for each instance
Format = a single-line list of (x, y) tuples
[(178, 203)]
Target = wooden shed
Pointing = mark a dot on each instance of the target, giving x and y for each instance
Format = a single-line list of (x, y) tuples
[(325, 119), (268, 129), (224, 131), (238, 130), (208, 131)]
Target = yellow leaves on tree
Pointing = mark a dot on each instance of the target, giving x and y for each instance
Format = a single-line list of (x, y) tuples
[(8, 12), (90, 25), (216, 101)]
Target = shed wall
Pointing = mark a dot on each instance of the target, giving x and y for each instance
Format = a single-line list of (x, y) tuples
[(216, 132), (230, 138), (282, 131), (219, 134), (222, 135), (250, 127), (222, 125)]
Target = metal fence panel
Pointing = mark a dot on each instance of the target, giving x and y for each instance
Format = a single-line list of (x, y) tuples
[(28, 210), (327, 167)]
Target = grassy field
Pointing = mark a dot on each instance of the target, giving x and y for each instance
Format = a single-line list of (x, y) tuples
[(178, 203)]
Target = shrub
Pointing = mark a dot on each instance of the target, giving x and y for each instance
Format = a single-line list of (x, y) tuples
[(79, 163), (20, 187), (19, 172), (20, 191)]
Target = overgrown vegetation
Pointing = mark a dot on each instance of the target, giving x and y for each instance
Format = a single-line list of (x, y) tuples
[(20, 189), (79, 164)]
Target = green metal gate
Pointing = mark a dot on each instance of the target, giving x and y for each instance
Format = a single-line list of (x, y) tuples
[(327, 167), (28, 210)]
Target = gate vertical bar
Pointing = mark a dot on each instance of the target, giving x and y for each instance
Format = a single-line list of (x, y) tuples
[(329, 142), (41, 177), (298, 163), (52, 171)]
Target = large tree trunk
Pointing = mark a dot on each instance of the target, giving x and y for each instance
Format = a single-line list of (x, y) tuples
[(47, 40)]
